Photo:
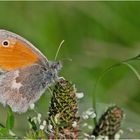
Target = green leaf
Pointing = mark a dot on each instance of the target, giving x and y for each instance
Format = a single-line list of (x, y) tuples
[(32, 124), (10, 119), (4, 131), (1, 125)]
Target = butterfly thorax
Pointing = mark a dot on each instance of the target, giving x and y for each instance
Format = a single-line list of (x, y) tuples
[(51, 72)]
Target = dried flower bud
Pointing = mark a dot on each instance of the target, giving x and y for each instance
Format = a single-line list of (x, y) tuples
[(109, 123), (63, 111)]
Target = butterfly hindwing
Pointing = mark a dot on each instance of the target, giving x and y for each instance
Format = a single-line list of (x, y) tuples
[(21, 87)]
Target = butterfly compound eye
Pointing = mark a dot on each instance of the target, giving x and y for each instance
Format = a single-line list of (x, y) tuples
[(5, 43)]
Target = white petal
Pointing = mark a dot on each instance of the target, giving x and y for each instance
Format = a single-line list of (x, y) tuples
[(80, 95)]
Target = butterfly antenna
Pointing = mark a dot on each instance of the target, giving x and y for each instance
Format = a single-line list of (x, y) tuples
[(67, 59), (58, 50)]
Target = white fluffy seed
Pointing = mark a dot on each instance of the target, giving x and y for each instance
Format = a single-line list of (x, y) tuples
[(32, 106), (74, 124), (90, 111), (117, 136), (39, 118), (80, 95), (84, 125), (90, 127), (44, 123), (41, 127), (85, 116), (93, 115), (50, 127)]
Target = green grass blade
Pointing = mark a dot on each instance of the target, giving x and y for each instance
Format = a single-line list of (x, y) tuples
[(133, 69)]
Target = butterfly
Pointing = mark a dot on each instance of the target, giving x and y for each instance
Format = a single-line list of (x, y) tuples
[(25, 73)]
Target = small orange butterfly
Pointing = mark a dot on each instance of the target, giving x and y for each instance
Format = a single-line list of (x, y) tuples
[(25, 73)]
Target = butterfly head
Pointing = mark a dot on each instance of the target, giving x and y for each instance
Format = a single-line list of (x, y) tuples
[(52, 72)]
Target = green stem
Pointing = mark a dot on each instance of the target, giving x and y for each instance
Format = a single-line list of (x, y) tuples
[(109, 69), (133, 69)]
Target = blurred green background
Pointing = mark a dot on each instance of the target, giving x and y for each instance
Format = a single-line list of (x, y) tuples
[(97, 35)]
